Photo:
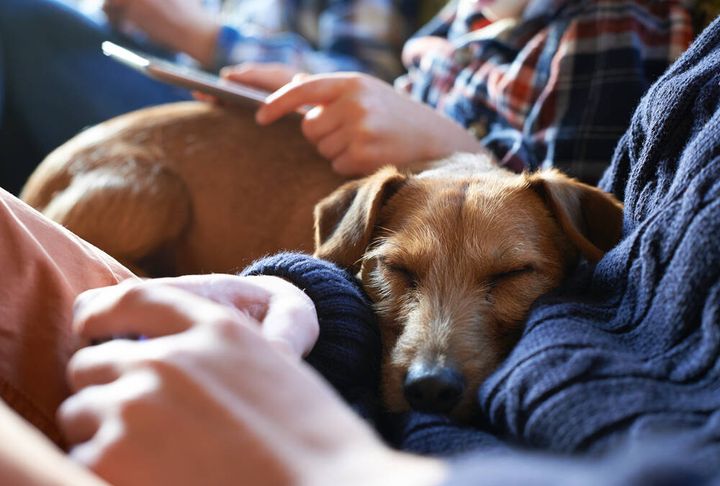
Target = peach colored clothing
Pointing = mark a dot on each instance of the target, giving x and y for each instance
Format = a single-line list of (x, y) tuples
[(43, 267)]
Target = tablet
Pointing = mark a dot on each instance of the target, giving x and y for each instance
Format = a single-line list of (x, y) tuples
[(186, 77)]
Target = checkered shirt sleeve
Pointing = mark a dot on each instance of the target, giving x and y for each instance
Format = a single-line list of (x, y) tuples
[(556, 89)]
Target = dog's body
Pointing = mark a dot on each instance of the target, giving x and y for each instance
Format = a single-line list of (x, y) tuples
[(453, 259), (453, 256), (185, 188)]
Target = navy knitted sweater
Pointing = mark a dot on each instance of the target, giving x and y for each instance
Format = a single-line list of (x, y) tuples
[(624, 357)]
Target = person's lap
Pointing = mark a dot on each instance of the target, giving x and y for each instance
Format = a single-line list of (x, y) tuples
[(55, 81), (44, 268)]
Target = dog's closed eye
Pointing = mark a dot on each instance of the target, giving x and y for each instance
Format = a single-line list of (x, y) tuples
[(510, 275), (408, 276)]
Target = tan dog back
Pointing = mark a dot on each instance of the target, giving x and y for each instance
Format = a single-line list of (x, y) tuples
[(185, 188)]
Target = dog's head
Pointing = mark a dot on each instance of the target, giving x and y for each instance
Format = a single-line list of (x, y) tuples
[(453, 258)]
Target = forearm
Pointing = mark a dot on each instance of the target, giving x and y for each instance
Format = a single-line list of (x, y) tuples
[(27, 458), (359, 35), (201, 43)]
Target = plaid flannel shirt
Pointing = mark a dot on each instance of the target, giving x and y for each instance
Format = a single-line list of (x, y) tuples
[(319, 36), (555, 88)]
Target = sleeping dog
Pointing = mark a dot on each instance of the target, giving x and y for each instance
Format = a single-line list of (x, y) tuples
[(453, 258)]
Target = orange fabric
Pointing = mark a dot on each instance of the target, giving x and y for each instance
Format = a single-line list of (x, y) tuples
[(43, 267)]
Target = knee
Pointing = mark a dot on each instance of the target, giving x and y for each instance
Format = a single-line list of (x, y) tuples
[(32, 17)]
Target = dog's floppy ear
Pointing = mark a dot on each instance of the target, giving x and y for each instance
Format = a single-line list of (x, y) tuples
[(591, 218), (344, 220)]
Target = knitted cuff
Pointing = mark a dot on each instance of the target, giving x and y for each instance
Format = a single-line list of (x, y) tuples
[(348, 350)]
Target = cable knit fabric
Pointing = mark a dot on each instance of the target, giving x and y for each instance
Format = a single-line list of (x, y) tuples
[(616, 379), (630, 348)]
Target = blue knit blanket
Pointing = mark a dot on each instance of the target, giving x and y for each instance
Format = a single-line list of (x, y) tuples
[(627, 352), (632, 347)]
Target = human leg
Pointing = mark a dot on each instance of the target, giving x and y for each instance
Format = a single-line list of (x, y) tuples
[(55, 80), (44, 267)]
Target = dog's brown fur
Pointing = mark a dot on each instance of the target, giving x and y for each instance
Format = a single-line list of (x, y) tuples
[(185, 188), (454, 257)]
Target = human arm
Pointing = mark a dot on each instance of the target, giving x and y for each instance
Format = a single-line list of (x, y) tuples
[(345, 35), (180, 25), (169, 428), (265, 417), (349, 35), (271, 301), (361, 123), (416, 48), (548, 92)]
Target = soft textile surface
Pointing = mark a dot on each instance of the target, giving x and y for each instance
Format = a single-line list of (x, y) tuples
[(626, 353), (44, 267), (632, 347)]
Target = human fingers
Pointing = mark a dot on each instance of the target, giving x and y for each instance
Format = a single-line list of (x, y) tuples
[(78, 422), (99, 364), (335, 144), (234, 292), (100, 415), (412, 50), (310, 90), (114, 11), (200, 96), (286, 313), (146, 308), (322, 120), (416, 48), (269, 76), (291, 319), (357, 160)]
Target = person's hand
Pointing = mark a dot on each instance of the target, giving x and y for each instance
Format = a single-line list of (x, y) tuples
[(268, 76), (415, 49), (206, 399), (181, 25), (285, 314), (361, 123)]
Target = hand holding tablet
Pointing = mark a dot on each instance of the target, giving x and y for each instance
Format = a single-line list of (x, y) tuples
[(186, 77)]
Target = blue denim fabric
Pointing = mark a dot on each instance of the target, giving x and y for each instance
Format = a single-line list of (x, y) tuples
[(55, 81)]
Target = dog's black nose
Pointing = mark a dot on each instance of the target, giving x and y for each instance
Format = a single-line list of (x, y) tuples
[(433, 389)]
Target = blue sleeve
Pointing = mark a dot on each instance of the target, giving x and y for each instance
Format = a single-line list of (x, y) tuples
[(347, 353), (557, 89), (358, 35)]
